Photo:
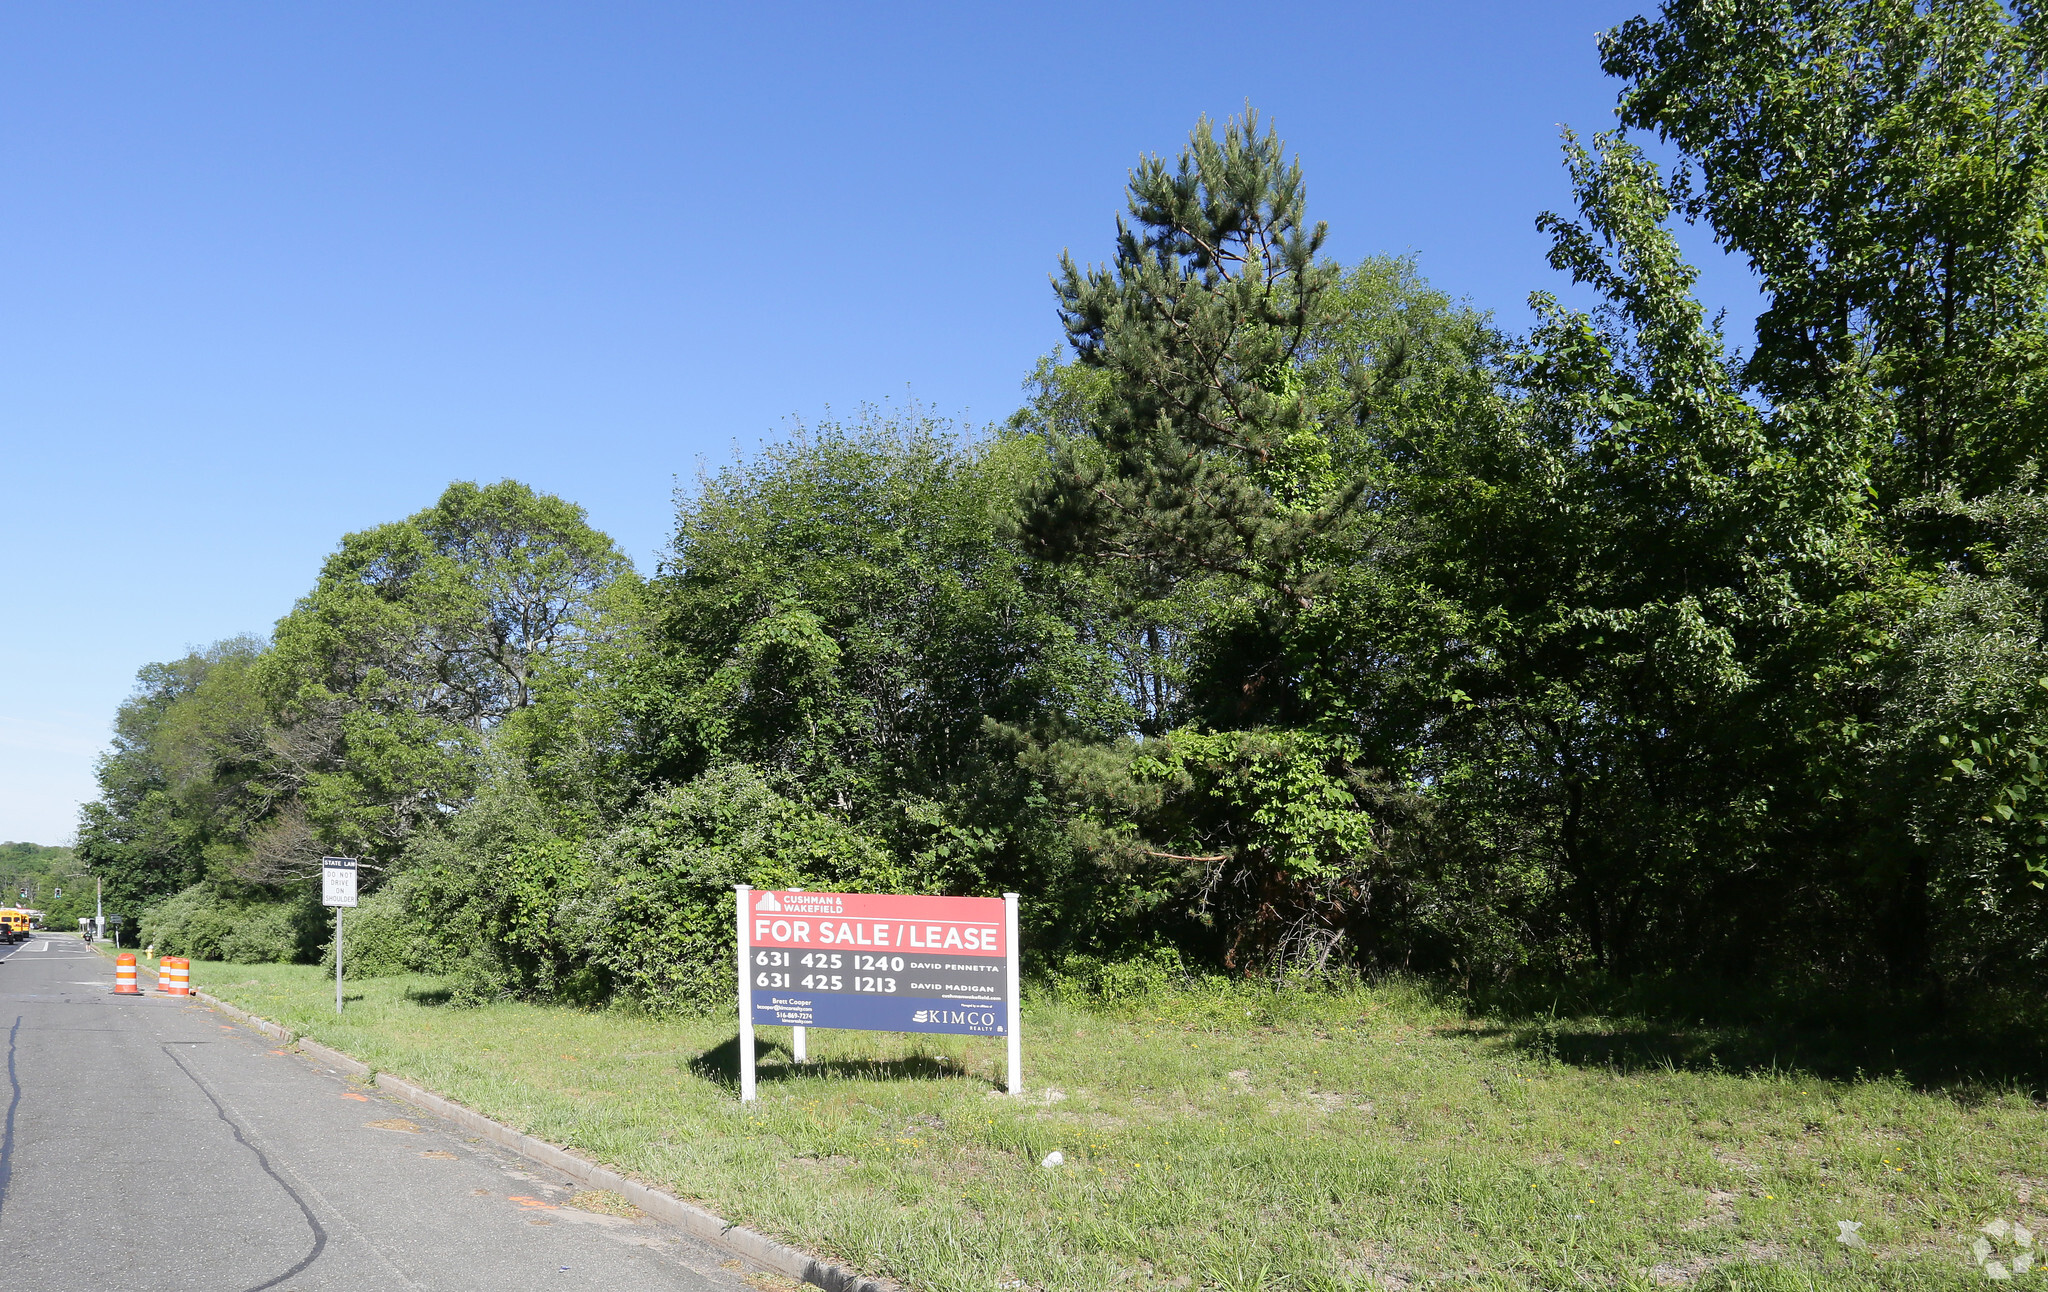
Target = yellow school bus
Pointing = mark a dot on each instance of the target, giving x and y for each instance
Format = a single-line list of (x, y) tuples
[(15, 924)]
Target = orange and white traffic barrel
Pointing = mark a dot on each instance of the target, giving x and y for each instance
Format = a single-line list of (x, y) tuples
[(174, 976), (124, 975)]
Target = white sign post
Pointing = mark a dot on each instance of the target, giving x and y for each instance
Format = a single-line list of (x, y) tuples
[(1010, 986), (337, 889), (744, 892)]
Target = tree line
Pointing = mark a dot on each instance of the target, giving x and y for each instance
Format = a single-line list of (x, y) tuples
[(47, 879), (1303, 619)]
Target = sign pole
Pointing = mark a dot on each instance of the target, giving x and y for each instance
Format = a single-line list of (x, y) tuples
[(337, 889), (741, 893), (1016, 1042)]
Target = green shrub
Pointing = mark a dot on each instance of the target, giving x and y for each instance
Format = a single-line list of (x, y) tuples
[(645, 912), (1082, 979), (655, 910), (210, 922), (385, 934)]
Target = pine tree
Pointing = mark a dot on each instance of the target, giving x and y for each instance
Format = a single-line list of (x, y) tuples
[(1207, 454)]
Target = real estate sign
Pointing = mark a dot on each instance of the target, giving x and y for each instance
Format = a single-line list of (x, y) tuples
[(876, 962)]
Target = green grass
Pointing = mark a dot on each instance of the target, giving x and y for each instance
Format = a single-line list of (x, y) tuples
[(1236, 1139)]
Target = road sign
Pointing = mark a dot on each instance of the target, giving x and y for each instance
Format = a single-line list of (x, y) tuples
[(337, 889), (879, 963), (338, 881)]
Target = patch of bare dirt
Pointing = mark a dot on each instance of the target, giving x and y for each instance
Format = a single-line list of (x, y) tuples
[(398, 1124)]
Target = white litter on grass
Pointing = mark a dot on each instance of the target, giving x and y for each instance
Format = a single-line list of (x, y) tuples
[(1849, 1237), (2001, 1230), (1053, 1159), (1998, 1266)]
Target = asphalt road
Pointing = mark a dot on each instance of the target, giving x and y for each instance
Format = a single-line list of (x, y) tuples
[(150, 1143)]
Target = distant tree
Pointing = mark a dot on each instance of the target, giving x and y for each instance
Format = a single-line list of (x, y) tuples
[(173, 785), (52, 878), (420, 639)]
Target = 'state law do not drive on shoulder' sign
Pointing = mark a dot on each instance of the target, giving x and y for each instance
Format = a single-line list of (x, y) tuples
[(877, 962), (337, 881)]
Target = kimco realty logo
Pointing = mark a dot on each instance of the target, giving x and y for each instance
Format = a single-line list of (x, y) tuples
[(959, 1017)]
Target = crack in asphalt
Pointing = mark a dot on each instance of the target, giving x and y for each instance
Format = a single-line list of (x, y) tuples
[(262, 1160), (13, 1104)]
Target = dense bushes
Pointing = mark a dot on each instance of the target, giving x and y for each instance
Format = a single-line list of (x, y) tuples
[(210, 921), (656, 908), (384, 934), (646, 908)]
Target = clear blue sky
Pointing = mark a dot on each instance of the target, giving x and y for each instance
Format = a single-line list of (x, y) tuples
[(270, 273)]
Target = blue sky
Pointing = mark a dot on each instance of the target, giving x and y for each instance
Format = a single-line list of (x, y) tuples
[(271, 273)]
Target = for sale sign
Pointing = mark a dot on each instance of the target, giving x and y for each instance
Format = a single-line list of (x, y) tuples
[(878, 962)]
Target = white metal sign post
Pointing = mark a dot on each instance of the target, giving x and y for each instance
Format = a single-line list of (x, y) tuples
[(745, 892), (1015, 1067), (337, 889), (876, 962)]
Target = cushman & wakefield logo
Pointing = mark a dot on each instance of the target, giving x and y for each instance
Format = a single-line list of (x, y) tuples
[(801, 903)]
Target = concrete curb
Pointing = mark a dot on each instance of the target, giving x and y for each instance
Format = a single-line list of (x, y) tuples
[(659, 1203)]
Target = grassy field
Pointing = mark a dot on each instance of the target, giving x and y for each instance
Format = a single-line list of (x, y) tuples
[(1233, 1138)]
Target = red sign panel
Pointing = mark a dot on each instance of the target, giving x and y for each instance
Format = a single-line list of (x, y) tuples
[(814, 921)]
